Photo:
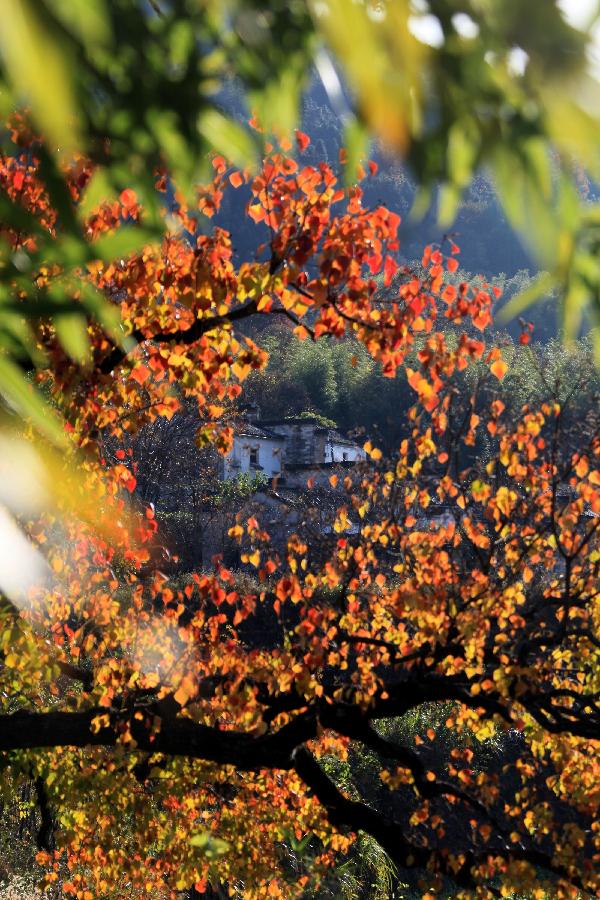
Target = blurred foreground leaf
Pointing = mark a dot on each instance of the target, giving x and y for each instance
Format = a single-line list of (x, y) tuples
[(38, 65)]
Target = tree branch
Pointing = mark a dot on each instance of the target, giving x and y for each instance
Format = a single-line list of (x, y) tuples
[(189, 336)]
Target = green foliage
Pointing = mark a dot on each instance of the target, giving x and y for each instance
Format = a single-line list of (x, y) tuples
[(318, 418), (238, 489), (354, 394)]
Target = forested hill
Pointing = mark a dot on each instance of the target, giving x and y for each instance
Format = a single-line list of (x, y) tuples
[(489, 246)]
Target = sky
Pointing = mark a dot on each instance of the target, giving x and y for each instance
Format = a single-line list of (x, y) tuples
[(578, 13)]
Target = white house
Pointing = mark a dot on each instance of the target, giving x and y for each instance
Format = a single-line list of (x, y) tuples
[(255, 451), (339, 449), (310, 443), (279, 447)]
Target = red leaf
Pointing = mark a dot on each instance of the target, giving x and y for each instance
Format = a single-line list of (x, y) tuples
[(236, 180), (389, 270), (302, 140), (374, 263)]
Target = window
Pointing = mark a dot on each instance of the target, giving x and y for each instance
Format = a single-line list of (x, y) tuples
[(254, 456), (344, 457)]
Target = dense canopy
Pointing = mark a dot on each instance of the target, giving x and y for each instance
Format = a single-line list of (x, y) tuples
[(207, 724)]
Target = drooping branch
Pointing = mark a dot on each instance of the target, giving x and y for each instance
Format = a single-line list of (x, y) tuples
[(354, 815), (357, 816), (187, 336), (45, 834), (282, 749)]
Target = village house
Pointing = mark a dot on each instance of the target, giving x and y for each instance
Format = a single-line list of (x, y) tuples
[(256, 450), (287, 449)]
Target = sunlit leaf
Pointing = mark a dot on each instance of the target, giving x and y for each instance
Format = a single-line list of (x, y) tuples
[(208, 844), (38, 64), (24, 398), (227, 137), (72, 333), (356, 144), (541, 286), (87, 19), (122, 242)]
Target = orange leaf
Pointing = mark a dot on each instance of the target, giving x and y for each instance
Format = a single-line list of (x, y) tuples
[(499, 369), (140, 374), (256, 212), (128, 199)]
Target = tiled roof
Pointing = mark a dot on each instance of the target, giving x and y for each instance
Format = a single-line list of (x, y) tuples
[(250, 430), (332, 433), (338, 438)]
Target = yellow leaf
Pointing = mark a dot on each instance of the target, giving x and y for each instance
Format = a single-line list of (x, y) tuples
[(372, 451), (185, 691)]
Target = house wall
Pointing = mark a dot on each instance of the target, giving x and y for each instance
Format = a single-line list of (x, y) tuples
[(335, 452), (239, 460), (301, 443), (307, 445)]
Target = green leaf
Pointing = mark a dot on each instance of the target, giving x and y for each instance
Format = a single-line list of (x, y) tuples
[(462, 152), (543, 284), (228, 138), (105, 312), (572, 308), (449, 200), (299, 846), (19, 333), (537, 160), (462, 155), (99, 190), (174, 147), (210, 845), (181, 42), (27, 401), (121, 243), (86, 19), (356, 143), (71, 329), (58, 191), (277, 103), (38, 64), (19, 218)]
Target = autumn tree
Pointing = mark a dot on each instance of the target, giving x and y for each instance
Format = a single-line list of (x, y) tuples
[(171, 749), (448, 86)]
